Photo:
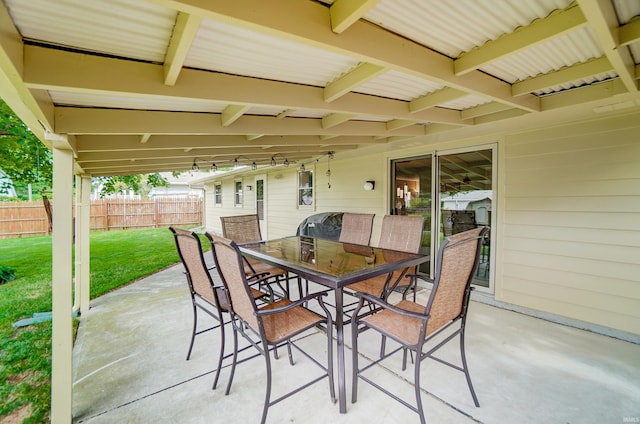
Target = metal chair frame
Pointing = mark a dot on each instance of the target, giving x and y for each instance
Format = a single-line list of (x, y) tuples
[(420, 317), (254, 323), (199, 280), (356, 228), (246, 229)]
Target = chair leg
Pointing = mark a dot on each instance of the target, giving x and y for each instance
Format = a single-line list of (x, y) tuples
[(332, 387), (222, 341), (195, 326), (354, 360), (290, 352), (234, 361), (416, 386), (267, 396), (383, 345), (465, 368)]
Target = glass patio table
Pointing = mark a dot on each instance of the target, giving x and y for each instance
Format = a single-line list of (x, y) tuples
[(334, 265)]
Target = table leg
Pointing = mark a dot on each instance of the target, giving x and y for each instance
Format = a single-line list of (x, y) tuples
[(342, 390)]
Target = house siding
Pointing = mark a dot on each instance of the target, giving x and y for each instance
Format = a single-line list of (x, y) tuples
[(570, 227), (567, 208)]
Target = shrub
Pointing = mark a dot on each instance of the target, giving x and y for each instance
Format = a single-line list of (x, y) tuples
[(6, 274)]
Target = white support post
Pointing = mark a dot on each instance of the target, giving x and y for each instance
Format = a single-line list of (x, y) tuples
[(82, 242), (62, 294)]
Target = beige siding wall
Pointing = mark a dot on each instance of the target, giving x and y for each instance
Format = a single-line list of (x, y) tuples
[(570, 233), (283, 215), (213, 212), (567, 207)]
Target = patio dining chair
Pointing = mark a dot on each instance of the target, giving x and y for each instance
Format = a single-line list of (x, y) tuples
[(399, 232), (246, 229), (272, 325), (206, 296), (413, 324), (356, 228)]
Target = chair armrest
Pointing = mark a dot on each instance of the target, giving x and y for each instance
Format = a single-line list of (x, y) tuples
[(258, 275), (292, 305), (386, 305), (257, 279), (421, 277)]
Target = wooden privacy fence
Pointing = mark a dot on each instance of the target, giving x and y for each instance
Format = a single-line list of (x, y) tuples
[(23, 219)]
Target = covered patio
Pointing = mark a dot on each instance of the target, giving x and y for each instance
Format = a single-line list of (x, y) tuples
[(549, 87), (129, 366)]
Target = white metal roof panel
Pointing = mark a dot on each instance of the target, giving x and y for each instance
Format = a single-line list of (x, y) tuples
[(452, 27), (135, 29), (574, 47), (398, 85), (221, 47), (465, 102)]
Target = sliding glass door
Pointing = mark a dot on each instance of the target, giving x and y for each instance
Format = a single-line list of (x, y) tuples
[(412, 195), (454, 192), (465, 196)]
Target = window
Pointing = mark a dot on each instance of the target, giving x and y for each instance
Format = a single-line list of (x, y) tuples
[(218, 194), (238, 194), (305, 188)]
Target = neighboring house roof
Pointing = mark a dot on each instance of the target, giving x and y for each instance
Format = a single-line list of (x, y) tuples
[(182, 184)]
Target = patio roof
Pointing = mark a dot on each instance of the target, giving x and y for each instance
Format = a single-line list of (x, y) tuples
[(524, 370), (141, 86)]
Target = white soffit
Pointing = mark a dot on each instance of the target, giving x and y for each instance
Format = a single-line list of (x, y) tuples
[(398, 85), (72, 23), (224, 48), (135, 102)]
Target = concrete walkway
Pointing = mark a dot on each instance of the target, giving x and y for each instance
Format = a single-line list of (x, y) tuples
[(130, 367)]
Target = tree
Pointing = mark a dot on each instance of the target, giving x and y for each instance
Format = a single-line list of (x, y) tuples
[(140, 184), (27, 161), (22, 156)]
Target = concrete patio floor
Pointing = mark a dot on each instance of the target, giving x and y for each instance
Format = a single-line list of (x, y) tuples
[(129, 367)]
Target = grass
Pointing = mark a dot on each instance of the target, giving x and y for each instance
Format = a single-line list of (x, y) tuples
[(117, 258)]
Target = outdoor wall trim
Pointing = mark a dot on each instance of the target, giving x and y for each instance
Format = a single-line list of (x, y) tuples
[(488, 299)]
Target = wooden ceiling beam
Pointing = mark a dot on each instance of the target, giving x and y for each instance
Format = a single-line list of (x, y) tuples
[(52, 69), (346, 12), (352, 79), (537, 32), (364, 42), (629, 33), (231, 114), (104, 143), (434, 99), (184, 32), (602, 18), (571, 73), (78, 120), (222, 151)]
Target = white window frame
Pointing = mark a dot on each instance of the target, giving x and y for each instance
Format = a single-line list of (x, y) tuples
[(238, 194), (309, 186), (217, 195)]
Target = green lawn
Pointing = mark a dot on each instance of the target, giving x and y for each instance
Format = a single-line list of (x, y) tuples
[(117, 258)]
